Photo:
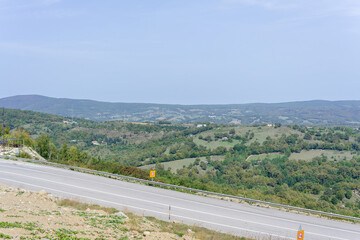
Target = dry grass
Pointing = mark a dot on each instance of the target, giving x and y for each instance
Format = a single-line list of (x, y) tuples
[(203, 233), (83, 206), (134, 221), (198, 232)]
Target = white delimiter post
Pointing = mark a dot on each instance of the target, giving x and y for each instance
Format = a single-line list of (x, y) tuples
[(169, 211)]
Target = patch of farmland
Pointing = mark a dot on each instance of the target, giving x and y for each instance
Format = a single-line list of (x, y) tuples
[(179, 164), (214, 144), (259, 157), (330, 154), (261, 133)]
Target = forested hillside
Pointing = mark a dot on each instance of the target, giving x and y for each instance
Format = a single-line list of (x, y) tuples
[(312, 167), (319, 113)]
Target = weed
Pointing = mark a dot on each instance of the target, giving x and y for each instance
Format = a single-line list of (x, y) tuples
[(66, 234), (83, 206), (10, 225), (28, 226), (179, 234), (5, 236)]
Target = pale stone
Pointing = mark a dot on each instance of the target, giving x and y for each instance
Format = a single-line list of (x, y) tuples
[(42, 192), (121, 214)]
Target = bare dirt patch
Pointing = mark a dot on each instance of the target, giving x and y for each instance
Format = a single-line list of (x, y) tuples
[(39, 215)]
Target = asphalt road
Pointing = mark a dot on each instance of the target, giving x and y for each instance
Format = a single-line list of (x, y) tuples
[(224, 216)]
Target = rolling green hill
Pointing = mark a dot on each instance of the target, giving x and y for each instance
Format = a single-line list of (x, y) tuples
[(324, 113)]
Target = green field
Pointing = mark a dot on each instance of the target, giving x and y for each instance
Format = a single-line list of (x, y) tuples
[(330, 154), (260, 135), (214, 144), (179, 164), (254, 158), (306, 155)]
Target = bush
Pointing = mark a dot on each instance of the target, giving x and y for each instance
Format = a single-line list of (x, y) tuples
[(348, 194), (203, 165), (340, 195), (325, 198), (24, 155), (334, 200)]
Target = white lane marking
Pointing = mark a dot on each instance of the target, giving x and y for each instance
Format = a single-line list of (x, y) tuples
[(143, 209), (205, 213), (201, 203)]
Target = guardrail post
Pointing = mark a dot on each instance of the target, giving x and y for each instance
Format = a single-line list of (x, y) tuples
[(169, 211)]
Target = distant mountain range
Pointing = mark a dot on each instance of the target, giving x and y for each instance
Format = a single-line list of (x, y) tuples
[(318, 112)]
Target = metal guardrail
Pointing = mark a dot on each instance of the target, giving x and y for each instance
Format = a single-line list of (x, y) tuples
[(321, 213)]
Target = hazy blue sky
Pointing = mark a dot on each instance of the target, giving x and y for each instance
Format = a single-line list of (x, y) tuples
[(181, 51)]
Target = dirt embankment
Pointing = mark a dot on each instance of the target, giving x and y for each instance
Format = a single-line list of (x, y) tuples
[(30, 215)]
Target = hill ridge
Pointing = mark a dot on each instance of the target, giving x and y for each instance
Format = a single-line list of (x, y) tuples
[(310, 112)]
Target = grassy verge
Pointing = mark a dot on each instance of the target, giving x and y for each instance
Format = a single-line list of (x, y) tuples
[(83, 206), (181, 229), (136, 221)]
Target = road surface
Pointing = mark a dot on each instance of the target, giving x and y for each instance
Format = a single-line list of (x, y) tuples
[(229, 217)]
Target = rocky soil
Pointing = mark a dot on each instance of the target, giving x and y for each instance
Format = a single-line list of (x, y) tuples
[(38, 215)]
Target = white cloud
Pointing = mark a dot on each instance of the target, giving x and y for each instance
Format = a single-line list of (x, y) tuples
[(267, 4), (36, 9), (349, 8), (56, 50), (49, 2), (8, 5)]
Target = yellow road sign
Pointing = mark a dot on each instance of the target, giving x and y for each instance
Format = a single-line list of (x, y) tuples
[(152, 173), (300, 235)]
